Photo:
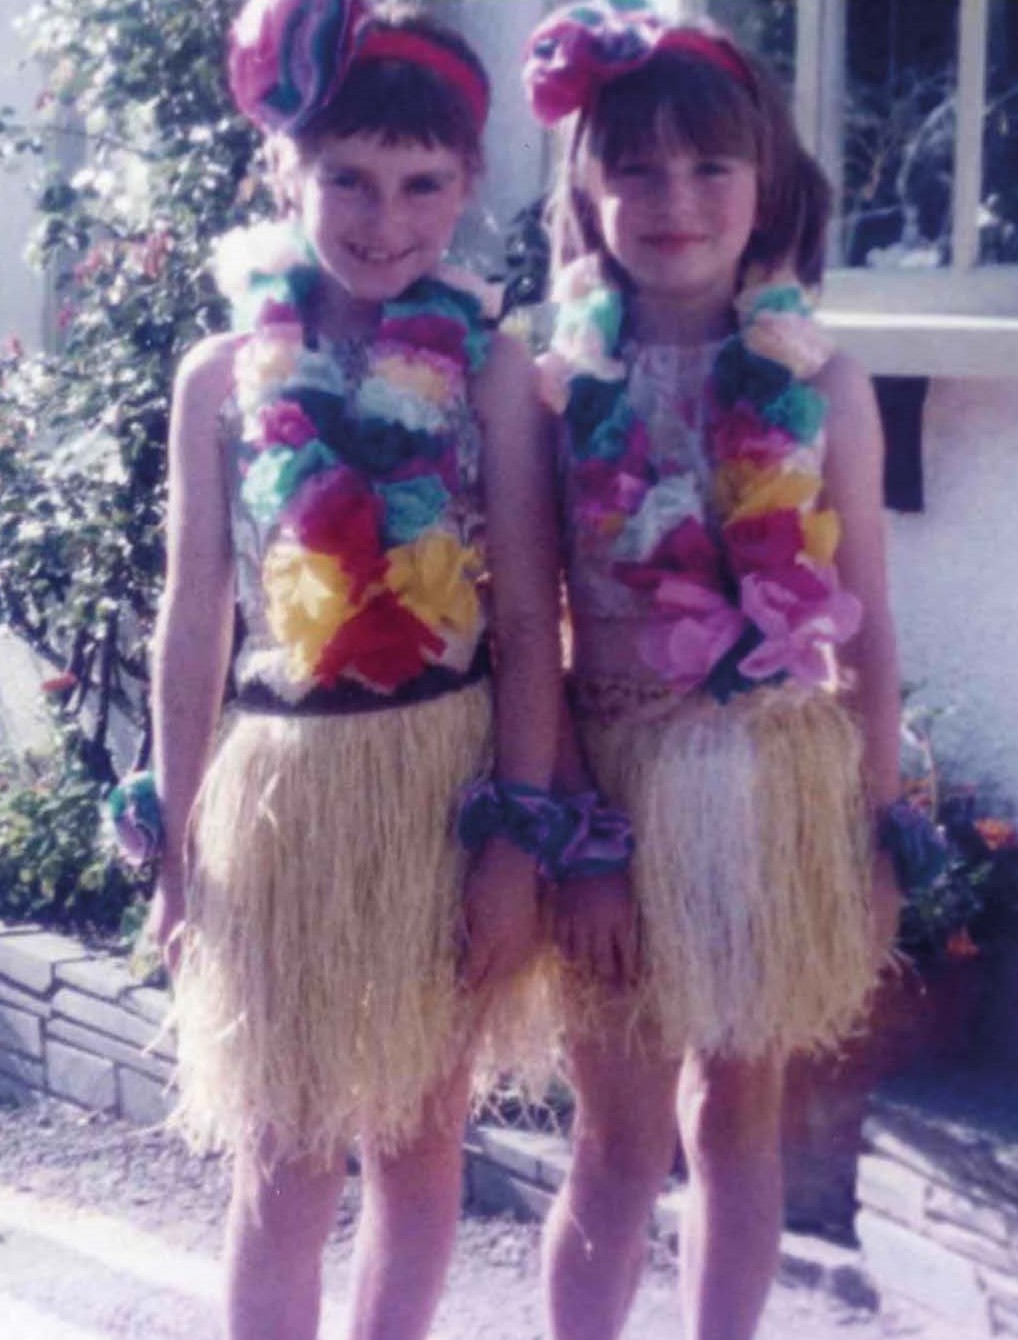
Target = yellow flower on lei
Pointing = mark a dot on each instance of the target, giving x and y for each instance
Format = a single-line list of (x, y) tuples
[(434, 577), (822, 534), (308, 601), (745, 489), (421, 377), (263, 366)]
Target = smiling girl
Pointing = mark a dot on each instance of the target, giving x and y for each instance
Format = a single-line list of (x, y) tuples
[(734, 675), (359, 527)]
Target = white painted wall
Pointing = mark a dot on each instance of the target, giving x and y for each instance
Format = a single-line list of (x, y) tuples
[(954, 580), (21, 289)]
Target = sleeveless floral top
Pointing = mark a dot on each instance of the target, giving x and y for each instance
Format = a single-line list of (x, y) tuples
[(356, 512), (697, 556)]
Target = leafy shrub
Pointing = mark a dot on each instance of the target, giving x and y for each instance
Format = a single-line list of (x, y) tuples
[(163, 166)]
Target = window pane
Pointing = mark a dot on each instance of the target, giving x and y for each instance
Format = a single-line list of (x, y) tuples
[(998, 221), (899, 132), (766, 27)]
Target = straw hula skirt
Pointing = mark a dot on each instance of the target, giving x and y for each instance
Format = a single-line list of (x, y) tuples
[(751, 869), (317, 993)]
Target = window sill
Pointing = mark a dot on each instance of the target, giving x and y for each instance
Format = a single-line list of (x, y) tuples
[(926, 344)]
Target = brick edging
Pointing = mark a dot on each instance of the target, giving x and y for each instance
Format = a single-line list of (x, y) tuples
[(77, 1026)]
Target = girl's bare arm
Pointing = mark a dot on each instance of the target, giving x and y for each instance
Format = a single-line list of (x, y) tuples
[(501, 901), (854, 486), (193, 632)]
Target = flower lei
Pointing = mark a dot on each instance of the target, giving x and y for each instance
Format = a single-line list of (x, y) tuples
[(744, 580), (353, 483)]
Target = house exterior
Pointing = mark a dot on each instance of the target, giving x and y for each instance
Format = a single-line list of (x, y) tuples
[(951, 318)]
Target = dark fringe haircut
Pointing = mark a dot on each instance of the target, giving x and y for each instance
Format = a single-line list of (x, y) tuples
[(680, 99), (400, 101)]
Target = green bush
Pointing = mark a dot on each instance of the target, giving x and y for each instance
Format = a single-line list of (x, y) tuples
[(136, 94), (54, 869)]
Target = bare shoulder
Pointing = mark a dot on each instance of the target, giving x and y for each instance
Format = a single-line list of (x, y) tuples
[(205, 374), (843, 379), (202, 386), (507, 381)]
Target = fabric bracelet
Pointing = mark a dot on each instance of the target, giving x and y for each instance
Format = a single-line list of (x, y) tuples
[(570, 835), (136, 815), (529, 817), (915, 845), (601, 842)]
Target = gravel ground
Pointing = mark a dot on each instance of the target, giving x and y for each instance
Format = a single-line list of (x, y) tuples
[(110, 1232)]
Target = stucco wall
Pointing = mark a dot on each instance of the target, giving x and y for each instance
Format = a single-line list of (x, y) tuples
[(21, 292), (954, 580)]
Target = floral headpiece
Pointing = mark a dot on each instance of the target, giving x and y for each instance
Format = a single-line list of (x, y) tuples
[(288, 58), (577, 50)]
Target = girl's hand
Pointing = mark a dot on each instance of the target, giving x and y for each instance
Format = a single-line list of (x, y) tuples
[(164, 925), (885, 909), (596, 927), (500, 914)]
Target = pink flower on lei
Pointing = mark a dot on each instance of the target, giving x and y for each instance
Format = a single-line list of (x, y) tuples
[(740, 434), (425, 331), (798, 612), (335, 514), (684, 650), (763, 543), (284, 424)]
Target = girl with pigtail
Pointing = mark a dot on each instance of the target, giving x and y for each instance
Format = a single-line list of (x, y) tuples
[(347, 891), (720, 481)]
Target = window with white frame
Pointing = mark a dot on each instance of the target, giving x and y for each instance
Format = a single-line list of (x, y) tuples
[(912, 107)]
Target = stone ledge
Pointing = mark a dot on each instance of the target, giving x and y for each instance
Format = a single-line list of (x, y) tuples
[(29, 961), (938, 1195), (518, 1171), (76, 1025)]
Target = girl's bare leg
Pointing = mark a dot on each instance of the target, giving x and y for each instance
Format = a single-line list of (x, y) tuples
[(408, 1222), (730, 1121), (276, 1230), (595, 1238)]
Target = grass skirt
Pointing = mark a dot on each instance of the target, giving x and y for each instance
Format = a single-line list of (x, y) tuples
[(751, 869), (317, 993)]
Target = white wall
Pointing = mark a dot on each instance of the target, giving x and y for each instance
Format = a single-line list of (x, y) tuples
[(21, 290), (954, 580)]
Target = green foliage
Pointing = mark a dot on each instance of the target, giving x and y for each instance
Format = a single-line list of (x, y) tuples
[(136, 100), (52, 867)]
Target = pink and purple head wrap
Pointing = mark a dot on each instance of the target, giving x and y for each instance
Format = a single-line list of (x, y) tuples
[(579, 49), (288, 58)]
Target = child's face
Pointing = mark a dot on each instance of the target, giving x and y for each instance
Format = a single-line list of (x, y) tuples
[(380, 215), (678, 221)]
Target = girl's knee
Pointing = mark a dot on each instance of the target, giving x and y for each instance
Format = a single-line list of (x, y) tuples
[(729, 1110), (287, 1209), (626, 1144)]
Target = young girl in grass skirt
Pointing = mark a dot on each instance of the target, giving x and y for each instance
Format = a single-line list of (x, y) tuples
[(347, 467), (720, 473)]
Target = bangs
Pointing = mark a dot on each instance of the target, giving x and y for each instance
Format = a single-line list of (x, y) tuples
[(672, 102), (401, 103)]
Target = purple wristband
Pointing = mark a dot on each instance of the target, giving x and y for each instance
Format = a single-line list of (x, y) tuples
[(601, 841)]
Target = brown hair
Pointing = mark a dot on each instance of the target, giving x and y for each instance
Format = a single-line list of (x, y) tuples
[(402, 101), (679, 98)]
